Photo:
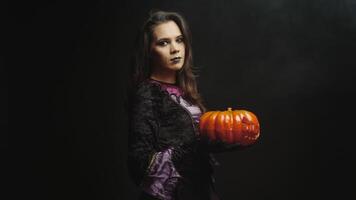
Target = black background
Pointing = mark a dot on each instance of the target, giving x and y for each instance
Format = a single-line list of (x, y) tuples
[(288, 61)]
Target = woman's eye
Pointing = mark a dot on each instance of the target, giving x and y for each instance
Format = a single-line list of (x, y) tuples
[(162, 43), (180, 40)]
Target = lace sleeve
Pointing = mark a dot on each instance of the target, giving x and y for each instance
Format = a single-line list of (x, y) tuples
[(162, 177), (142, 130)]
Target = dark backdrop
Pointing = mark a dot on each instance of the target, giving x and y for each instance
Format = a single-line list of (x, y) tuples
[(288, 61)]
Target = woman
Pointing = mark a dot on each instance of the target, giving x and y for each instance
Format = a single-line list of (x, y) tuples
[(167, 159)]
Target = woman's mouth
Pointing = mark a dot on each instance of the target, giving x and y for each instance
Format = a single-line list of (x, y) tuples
[(176, 59)]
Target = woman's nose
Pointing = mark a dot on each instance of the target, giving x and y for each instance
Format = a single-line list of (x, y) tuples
[(174, 48)]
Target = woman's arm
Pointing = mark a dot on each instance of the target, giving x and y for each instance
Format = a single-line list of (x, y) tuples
[(153, 171), (142, 130)]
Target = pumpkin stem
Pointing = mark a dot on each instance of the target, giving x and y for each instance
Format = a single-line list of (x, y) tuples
[(229, 109)]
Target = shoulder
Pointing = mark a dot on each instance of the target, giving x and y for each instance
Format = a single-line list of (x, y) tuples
[(147, 90)]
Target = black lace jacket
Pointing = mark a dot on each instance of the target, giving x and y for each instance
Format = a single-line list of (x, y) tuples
[(157, 122)]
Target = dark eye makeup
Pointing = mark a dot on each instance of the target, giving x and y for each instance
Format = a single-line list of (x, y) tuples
[(164, 42), (180, 39)]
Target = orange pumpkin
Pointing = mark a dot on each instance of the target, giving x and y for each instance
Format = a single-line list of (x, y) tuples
[(231, 126)]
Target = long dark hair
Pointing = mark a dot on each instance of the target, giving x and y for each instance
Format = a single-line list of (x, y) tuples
[(141, 67)]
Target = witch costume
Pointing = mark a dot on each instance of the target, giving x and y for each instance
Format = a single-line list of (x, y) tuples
[(167, 159)]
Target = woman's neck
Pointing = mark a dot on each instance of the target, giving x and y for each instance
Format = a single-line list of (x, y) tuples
[(167, 77)]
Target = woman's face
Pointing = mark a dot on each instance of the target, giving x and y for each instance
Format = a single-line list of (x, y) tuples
[(167, 47)]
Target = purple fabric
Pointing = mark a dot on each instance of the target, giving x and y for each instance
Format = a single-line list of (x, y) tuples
[(169, 87), (193, 109), (162, 176)]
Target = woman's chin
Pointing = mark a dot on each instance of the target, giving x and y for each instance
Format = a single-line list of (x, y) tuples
[(176, 67)]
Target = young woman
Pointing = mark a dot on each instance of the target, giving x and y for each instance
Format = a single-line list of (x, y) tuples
[(167, 159)]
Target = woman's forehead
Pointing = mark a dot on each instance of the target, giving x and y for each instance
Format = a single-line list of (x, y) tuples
[(167, 29)]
